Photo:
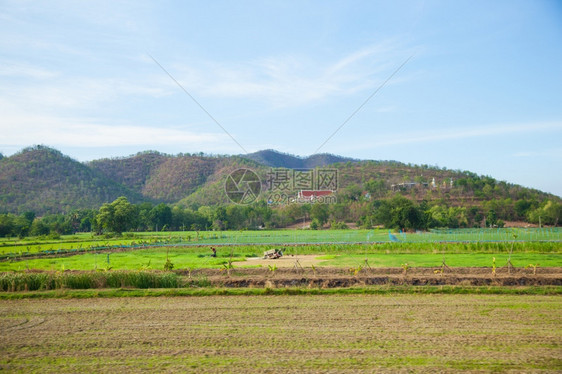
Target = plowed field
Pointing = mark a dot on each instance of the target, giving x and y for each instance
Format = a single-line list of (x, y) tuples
[(336, 333)]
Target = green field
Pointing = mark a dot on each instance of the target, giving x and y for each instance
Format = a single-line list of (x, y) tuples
[(330, 248), (184, 258), (87, 241)]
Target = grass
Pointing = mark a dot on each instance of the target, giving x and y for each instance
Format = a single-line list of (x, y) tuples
[(14, 282), (86, 241), (341, 256), (452, 260), (217, 291), (153, 258)]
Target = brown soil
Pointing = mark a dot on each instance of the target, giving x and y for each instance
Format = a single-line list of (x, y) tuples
[(287, 261), (292, 275), (283, 334), (306, 225), (519, 224)]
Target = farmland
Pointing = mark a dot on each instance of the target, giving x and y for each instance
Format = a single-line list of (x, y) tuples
[(197, 258), (87, 241), (345, 253), (324, 333), (337, 301)]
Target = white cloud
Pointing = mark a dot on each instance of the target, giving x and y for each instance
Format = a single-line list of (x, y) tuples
[(551, 153), (68, 94), (292, 80), (78, 132), (460, 133), (14, 69)]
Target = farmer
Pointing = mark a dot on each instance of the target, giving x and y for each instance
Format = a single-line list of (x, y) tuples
[(214, 252)]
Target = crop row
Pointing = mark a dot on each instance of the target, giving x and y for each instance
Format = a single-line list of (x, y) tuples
[(336, 248), (13, 282)]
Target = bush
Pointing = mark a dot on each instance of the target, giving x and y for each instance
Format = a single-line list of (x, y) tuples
[(168, 266), (338, 225)]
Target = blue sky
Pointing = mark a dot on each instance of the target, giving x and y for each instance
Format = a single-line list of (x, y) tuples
[(481, 92)]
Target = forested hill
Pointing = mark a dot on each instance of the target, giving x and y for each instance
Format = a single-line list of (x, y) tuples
[(43, 180), (276, 159), (166, 178)]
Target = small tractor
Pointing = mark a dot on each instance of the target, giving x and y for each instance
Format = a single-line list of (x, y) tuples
[(272, 254)]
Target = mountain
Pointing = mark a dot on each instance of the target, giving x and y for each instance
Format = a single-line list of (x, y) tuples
[(132, 171), (44, 180), (277, 159), (166, 178)]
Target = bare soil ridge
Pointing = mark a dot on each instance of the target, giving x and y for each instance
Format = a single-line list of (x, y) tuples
[(331, 277)]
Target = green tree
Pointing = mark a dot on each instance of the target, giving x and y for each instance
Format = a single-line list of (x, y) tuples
[(315, 224), (550, 213), (39, 228), (491, 218), (405, 214), (320, 212), (399, 212), (6, 224), (118, 216), (160, 216), (352, 192)]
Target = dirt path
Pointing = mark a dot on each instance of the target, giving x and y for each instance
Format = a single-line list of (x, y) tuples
[(285, 261)]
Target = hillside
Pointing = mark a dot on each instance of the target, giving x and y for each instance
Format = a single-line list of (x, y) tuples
[(43, 180), (130, 171), (276, 159), (166, 178)]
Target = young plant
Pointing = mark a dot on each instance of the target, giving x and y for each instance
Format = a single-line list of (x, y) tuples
[(405, 267), (226, 268), (494, 266), (272, 268), (534, 266), (355, 271), (509, 264), (168, 266)]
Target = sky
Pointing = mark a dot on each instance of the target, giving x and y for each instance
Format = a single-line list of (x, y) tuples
[(468, 85)]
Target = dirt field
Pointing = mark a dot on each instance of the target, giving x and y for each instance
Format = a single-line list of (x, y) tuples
[(339, 333), (289, 275), (286, 261)]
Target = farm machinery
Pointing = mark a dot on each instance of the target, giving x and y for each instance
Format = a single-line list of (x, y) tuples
[(272, 254)]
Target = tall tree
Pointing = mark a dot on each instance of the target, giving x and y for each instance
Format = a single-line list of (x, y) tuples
[(117, 216)]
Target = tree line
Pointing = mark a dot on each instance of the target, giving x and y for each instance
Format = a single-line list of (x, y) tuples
[(396, 212)]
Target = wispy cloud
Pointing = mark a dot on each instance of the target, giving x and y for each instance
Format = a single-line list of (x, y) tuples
[(293, 80), (15, 69), (551, 153), (79, 132), (68, 94), (464, 133)]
